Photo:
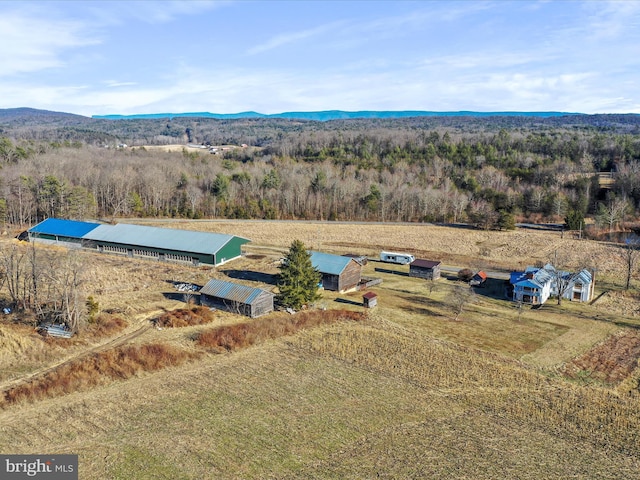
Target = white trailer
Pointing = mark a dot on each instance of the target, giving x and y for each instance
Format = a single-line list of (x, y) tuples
[(394, 257)]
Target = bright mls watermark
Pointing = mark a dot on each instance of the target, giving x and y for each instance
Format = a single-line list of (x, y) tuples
[(49, 467)]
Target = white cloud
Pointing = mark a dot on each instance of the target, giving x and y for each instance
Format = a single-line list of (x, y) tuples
[(612, 19), (29, 43), (287, 38), (148, 11), (115, 84)]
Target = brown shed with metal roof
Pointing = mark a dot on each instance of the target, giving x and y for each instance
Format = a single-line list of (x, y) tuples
[(427, 269), (236, 298), (369, 300)]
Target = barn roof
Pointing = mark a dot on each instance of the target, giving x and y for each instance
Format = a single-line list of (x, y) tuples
[(328, 263), (232, 291), (163, 238), (424, 263), (65, 228)]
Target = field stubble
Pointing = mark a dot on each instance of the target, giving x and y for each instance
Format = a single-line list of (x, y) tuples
[(384, 397), (353, 400)]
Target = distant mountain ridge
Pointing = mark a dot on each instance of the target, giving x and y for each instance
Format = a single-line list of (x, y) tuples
[(10, 114), (335, 115)]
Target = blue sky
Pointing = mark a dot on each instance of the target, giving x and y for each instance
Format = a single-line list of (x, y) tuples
[(127, 57)]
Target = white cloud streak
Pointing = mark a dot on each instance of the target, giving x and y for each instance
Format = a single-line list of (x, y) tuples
[(293, 37), (29, 43)]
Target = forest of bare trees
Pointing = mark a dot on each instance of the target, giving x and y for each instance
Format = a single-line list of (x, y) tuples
[(401, 170), (46, 284)]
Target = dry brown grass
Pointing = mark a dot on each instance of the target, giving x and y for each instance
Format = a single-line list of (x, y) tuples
[(383, 397), (353, 400), (610, 362), (242, 335), (491, 383), (185, 317), (105, 325), (456, 246), (22, 350), (126, 361), (120, 363)]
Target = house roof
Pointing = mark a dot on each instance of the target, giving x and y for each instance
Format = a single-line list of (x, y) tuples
[(529, 283), (424, 263), (65, 228), (163, 238), (539, 276), (232, 291), (516, 277), (331, 264), (369, 295), (583, 277), (546, 274)]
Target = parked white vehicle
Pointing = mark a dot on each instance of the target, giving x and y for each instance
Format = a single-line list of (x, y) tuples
[(400, 258)]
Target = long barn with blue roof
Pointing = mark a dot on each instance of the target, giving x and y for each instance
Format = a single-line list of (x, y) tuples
[(164, 244), (59, 231)]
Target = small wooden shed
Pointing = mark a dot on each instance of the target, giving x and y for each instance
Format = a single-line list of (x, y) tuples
[(369, 300), (235, 298), (339, 273), (427, 269)]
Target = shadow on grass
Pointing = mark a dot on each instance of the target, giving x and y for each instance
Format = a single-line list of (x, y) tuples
[(350, 302), (416, 310), (392, 272), (271, 279), (186, 297), (424, 306), (493, 288)]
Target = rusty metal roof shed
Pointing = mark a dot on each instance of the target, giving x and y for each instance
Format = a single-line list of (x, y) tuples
[(232, 291)]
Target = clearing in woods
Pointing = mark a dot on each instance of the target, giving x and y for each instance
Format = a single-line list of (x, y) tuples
[(409, 393)]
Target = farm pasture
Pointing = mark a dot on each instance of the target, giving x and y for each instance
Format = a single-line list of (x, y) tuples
[(438, 382)]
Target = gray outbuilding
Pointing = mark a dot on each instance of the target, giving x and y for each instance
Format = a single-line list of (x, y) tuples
[(338, 273), (427, 269), (236, 298)]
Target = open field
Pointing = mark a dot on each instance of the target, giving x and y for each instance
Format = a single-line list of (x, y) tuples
[(408, 393), (185, 147)]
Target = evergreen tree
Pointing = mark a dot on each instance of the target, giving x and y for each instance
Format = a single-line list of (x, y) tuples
[(506, 220), (574, 220), (298, 282)]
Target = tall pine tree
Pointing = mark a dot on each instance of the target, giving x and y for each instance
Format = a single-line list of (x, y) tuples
[(298, 282)]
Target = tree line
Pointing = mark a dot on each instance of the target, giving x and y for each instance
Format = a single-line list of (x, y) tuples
[(347, 170)]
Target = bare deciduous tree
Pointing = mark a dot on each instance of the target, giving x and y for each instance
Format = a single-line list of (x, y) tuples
[(630, 254), (461, 297)]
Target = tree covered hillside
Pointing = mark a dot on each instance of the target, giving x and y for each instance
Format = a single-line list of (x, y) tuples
[(485, 171)]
